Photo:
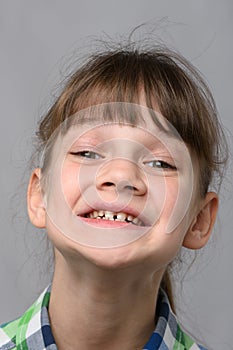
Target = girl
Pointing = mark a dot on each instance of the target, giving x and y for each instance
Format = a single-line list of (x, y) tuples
[(128, 153)]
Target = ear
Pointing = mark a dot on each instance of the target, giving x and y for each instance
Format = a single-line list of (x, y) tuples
[(201, 227), (35, 203)]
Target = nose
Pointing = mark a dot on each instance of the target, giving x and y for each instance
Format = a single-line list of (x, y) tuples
[(121, 175)]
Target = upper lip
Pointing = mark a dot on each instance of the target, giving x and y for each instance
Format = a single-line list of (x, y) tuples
[(115, 208)]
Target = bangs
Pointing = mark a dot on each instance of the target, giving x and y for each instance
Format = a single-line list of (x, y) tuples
[(151, 79), (121, 113)]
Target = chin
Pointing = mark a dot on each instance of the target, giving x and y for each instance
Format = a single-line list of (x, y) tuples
[(110, 258)]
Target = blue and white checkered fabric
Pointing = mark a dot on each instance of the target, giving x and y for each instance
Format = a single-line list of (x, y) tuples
[(32, 331)]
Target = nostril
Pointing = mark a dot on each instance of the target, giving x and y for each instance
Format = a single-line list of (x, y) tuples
[(131, 188), (122, 185), (125, 185), (108, 184)]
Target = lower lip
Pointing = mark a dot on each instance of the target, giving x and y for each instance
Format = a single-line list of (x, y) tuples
[(106, 223)]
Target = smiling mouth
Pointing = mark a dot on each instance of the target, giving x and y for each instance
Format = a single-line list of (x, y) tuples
[(113, 216)]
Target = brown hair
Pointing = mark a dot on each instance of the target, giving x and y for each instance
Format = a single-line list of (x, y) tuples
[(167, 80)]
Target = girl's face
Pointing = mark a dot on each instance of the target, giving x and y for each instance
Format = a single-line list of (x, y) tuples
[(118, 193)]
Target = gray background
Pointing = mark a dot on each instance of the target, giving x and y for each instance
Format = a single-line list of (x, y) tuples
[(36, 39)]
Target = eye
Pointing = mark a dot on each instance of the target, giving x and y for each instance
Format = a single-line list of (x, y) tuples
[(160, 164), (86, 154)]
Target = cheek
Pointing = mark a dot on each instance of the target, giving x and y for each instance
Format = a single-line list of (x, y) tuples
[(171, 195), (172, 206), (178, 203), (69, 183), (165, 195)]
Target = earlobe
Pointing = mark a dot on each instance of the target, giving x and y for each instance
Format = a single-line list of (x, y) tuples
[(35, 203), (201, 227)]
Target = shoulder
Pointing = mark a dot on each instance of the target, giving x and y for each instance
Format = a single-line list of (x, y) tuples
[(168, 334), (8, 335), (172, 337), (26, 331), (184, 342)]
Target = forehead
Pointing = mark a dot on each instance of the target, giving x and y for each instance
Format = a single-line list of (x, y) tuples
[(121, 114), (89, 134)]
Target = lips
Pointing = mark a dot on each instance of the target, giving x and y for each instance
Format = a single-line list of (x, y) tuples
[(114, 216), (114, 213)]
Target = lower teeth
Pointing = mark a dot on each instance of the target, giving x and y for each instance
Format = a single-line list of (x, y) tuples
[(99, 217), (103, 218)]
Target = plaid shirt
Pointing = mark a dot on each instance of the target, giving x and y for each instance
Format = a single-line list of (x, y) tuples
[(32, 331)]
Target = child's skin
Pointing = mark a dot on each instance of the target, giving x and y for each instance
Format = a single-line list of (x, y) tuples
[(106, 298)]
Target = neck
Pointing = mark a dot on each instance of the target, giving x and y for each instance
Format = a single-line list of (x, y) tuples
[(92, 308)]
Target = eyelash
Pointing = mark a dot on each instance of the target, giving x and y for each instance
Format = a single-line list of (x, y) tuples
[(82, 154), (161, 165), (155, 163)]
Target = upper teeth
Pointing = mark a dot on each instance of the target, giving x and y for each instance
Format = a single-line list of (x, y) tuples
[(109, 215)]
